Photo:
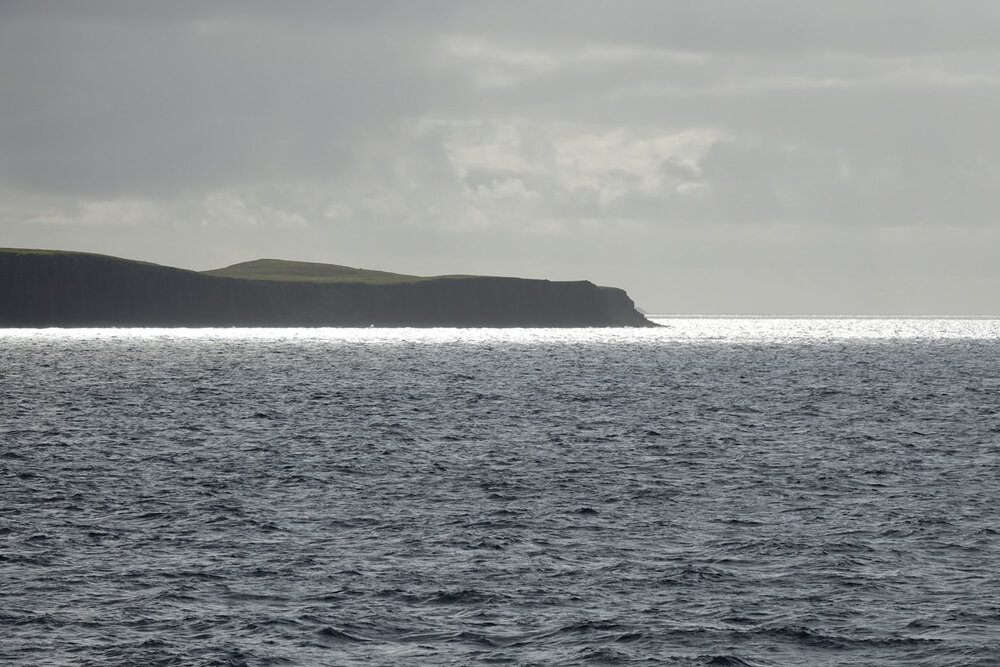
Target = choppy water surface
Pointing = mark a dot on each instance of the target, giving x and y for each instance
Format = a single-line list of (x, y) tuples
[(726, 492)]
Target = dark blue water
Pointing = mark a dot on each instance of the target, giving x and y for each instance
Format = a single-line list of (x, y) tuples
[(713, 493)]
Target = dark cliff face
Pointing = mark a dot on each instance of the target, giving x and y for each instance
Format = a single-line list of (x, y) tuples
[(81, 290)]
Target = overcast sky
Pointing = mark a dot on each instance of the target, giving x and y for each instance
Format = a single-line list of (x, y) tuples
[(793, 157)]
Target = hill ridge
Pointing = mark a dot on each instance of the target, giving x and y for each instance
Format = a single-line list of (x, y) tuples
[(288, 270), (40, 288)]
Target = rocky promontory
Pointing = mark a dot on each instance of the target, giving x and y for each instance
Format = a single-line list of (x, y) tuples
[(43, 288)]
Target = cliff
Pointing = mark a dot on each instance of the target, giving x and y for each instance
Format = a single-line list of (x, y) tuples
[(68, 289)]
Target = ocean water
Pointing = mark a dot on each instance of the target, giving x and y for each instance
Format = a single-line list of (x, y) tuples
[(713, 492)]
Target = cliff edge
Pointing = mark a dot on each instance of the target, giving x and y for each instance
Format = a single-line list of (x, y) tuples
[(41, 288)]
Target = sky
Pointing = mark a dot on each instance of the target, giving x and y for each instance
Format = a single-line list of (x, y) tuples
[(709, 156)]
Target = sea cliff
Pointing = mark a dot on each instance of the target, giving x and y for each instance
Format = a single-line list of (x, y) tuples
[(70, 289)]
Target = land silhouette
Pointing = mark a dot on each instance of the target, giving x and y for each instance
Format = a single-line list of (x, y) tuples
[(51, 288)]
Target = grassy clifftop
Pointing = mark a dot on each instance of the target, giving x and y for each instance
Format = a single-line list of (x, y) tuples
[(74, 254), (283, 270)]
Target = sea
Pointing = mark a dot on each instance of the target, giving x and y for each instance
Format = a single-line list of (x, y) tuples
[(715, 491)]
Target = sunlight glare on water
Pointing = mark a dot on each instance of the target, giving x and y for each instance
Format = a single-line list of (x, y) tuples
[(712, 491), (671, 330), (777, 330)]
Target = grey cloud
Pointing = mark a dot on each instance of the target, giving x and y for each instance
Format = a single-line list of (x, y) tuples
[(300, 12), (734, 26), (105, 102), (157, 107), (564, 139)]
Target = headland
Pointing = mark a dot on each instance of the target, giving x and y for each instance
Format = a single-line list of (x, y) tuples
[(52, 288)]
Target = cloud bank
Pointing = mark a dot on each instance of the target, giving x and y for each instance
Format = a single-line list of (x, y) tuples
[(797, 157)]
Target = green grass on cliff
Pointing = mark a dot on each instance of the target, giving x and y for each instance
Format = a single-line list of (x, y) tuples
[(41, 252), (33, 251), (269, 269), (283, 270), (277, 269)]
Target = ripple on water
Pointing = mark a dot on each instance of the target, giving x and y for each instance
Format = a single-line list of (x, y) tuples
[(715, 492)]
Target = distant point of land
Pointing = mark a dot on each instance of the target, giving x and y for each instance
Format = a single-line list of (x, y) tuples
[(54, 288)]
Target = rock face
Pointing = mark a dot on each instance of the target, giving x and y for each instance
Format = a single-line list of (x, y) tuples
[(63, 289)]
